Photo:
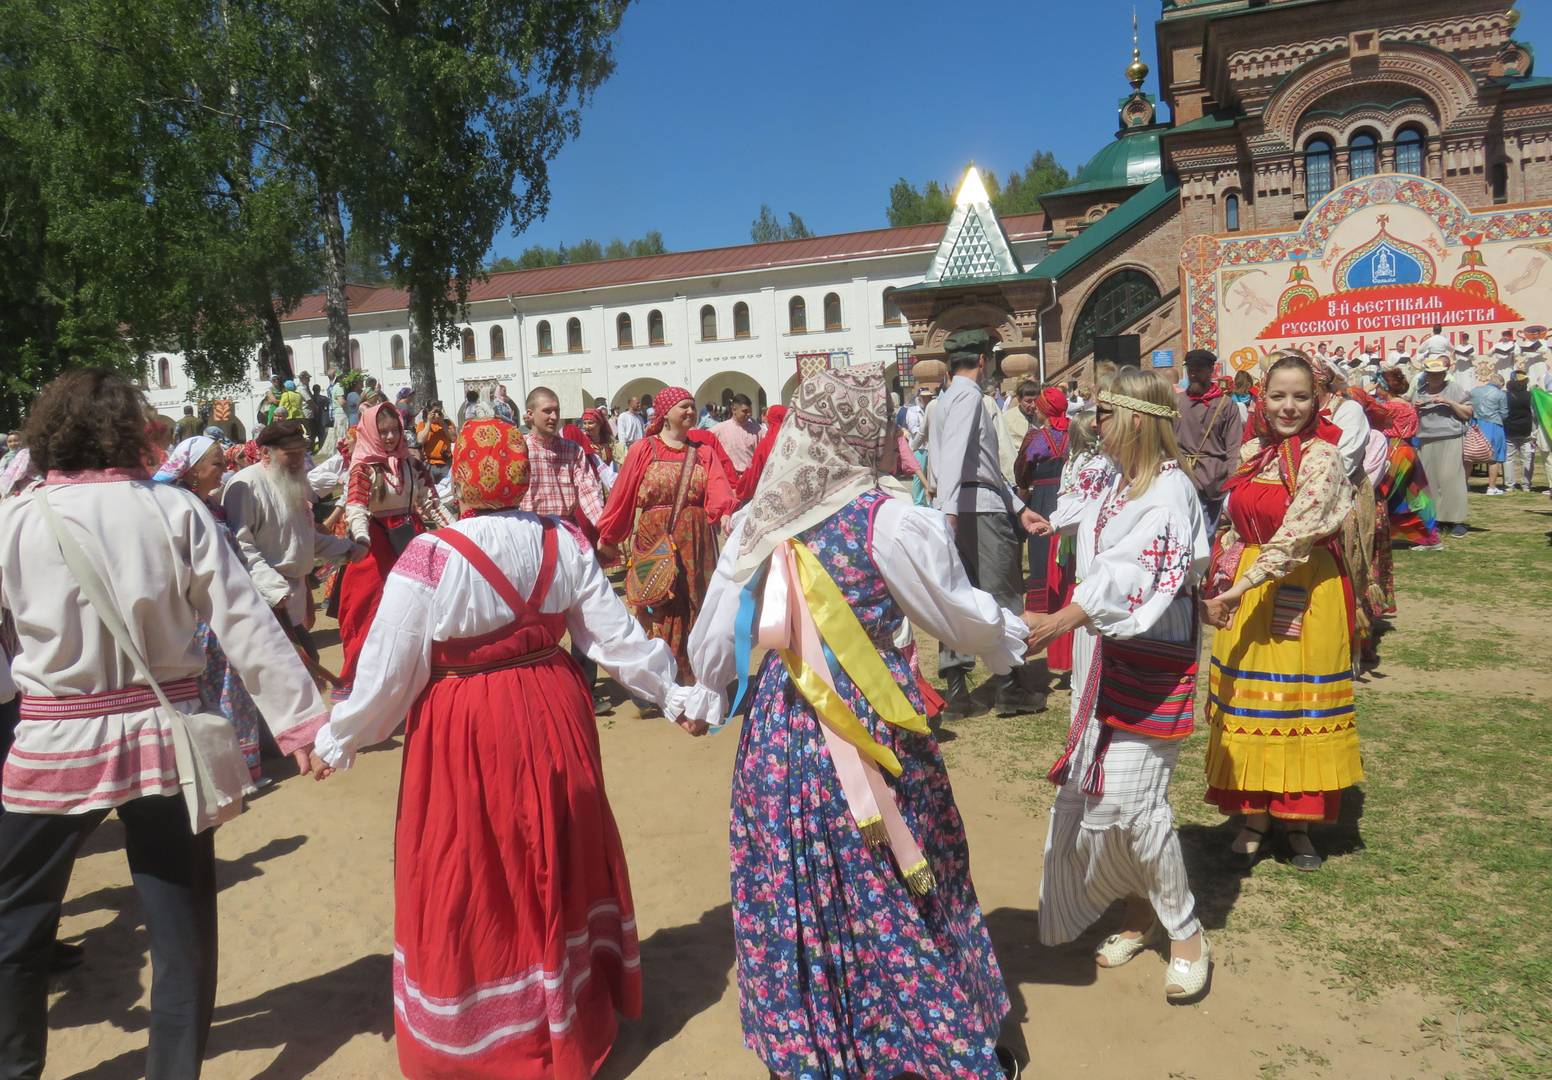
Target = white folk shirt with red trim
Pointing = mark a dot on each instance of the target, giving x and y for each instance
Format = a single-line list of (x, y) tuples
[(167, 576)]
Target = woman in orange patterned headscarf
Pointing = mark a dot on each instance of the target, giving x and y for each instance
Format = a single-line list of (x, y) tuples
[(502, 883)]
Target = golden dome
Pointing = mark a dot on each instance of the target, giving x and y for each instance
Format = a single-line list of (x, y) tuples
[(1514, 18), (1136, 71)]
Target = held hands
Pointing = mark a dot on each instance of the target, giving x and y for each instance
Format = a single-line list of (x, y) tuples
[(696, 728), (358, 551), (608, 554), (307, 761), (1044, 629), (1034, 524), (1219, 610)]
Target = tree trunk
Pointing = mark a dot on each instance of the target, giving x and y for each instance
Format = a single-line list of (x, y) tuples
[(335, 305), (422, 349), (274, 340)]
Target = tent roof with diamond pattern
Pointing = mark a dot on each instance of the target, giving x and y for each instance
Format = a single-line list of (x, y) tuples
[(974, 247)]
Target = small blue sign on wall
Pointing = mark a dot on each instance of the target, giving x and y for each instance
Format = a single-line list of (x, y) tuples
[(1164, 358)]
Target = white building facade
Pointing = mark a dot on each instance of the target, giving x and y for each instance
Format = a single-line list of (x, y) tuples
[(718, 322)]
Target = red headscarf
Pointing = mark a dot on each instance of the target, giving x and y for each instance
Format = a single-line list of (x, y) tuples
[(664, 400), (369, 444), (750, 480), (575, 433), (490, 466), (1052, 403)]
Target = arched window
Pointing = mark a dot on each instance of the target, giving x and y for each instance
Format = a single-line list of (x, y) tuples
[(740, 320), (655, 327), (1317, 171), (1361, 158), (290, 358), (498, 343), (708, 323), (1118, 301), (832, 311), (1499, 178), (797, 316), (355, 355), (1409, 152), (468, 344), (622, 331), (396, 351), (546, 343), (573, 335), (891, 309), (1231, 213), (163, 373)]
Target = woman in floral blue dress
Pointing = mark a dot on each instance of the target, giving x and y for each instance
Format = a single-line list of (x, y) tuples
[(861, 948)]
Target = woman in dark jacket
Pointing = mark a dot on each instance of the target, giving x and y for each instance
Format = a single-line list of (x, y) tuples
[(1519, 434)]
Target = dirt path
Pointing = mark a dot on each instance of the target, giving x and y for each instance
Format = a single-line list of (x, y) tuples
[(306, 916)]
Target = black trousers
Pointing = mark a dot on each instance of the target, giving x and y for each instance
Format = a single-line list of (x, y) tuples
[(174, 873)]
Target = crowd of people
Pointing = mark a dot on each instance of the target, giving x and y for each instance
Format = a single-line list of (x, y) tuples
[(1080, 533)]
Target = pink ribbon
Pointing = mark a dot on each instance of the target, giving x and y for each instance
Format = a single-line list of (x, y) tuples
[(787, 624)]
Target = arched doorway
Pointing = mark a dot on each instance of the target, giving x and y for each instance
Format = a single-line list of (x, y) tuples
[(720, 388), (636, 388)]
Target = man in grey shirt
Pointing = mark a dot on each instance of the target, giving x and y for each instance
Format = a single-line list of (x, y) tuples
[(987, 520)]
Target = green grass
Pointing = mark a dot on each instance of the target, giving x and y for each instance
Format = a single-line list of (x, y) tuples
[(1443, 879)]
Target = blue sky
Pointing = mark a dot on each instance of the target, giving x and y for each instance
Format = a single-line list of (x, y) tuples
[(717, 106)]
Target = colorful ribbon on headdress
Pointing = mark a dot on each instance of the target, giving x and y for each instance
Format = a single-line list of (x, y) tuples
[(804, 616)]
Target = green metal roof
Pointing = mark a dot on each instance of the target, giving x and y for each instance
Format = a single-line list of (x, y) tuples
[(1132, 160), (1216, 121), (1110, 227)]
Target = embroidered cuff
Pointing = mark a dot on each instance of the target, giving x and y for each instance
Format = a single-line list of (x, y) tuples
[(302, 736)]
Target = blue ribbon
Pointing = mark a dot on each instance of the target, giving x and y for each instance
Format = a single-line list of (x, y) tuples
[(743, 635)]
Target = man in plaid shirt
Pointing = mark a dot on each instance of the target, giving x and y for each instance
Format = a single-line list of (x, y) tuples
[(561, 485), (559, 482)]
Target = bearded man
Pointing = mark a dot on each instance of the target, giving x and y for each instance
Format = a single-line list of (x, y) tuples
[(269, 510)]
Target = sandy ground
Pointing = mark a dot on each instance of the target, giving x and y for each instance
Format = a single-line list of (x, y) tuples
[(306, 918)]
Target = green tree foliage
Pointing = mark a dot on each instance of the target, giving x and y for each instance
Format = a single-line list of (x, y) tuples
[(176, 174), (133, 216), (474, 98), (365, 263), (909, 205), (766, 227), (588, 250)]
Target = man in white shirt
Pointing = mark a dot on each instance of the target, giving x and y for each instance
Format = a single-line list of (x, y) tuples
[(1435, 344), (269, 511), (629, 426), (987, 519)]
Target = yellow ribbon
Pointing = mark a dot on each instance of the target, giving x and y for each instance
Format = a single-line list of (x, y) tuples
[(842, 631), (836, 714)]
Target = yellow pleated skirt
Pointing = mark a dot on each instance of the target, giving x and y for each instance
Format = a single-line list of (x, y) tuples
[(1280, 708)]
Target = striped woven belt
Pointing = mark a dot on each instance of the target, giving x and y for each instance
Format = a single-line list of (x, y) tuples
[(463, 671), (85, 706)]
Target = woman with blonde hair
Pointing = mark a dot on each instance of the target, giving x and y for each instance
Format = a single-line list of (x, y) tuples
[(1141, 547), (1284, 733)]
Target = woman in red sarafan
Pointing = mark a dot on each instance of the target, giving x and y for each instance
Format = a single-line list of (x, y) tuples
[(641, 504), (515, 939), (390, 498)]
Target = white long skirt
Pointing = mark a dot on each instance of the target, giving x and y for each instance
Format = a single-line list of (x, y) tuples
[(1121, 844)]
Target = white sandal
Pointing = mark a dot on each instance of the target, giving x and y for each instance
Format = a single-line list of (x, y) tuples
[(1186, 980), (1118, 949)]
